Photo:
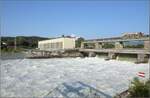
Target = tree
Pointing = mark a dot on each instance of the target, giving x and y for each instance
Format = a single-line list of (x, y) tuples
[(79, 41), (139, 89), (23, 42)]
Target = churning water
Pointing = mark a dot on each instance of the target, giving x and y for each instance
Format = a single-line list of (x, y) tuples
[(41, 77)]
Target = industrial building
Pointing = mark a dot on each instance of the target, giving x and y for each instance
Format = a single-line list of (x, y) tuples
[(57, 44)]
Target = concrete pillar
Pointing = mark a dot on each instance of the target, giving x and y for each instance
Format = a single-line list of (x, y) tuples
[(111, 55), (118, 45), (46, 53), (98, 45), (82, 45), (43, 53), (40, 53), (147, 45), (141, 58), (92, 54)]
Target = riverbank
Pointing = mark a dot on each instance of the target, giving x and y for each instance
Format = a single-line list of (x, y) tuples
[(35, 54)]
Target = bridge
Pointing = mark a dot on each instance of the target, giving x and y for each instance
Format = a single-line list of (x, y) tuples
[(92, 47)]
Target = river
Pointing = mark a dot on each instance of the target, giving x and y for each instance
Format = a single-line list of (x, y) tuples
[(23, 77)]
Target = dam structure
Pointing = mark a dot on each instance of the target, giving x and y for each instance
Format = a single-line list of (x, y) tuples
[(56, 47), (136, 44), (130, 43)]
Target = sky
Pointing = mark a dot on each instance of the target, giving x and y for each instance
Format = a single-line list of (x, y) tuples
[(88, 19)]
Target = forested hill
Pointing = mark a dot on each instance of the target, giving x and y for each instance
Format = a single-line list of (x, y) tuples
[(22, 41)]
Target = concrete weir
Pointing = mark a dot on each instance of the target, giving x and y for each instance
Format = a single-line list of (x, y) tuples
[(113, 47), (92, 54), (118, 45), (141, 56), (111, 55)]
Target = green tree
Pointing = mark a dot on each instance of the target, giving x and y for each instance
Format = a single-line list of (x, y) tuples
[(78, 42), (139, 88), (23, 42)]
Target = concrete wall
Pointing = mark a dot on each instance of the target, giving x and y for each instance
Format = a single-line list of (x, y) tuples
[(147, 45), (69, 43), (82, 45), (58, 43)]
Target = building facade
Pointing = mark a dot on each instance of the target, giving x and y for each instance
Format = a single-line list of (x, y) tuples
[(57, 44)]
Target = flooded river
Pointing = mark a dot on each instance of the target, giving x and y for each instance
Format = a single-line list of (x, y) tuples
[(23, 77)]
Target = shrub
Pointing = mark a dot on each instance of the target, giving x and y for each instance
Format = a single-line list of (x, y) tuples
[(139, 88)]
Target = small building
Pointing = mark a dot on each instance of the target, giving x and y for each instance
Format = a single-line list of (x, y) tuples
[(134, 35), (57, 44)]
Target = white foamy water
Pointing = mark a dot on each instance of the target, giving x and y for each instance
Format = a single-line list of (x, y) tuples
[(37, 77)]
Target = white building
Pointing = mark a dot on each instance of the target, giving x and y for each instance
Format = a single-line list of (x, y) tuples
[(57, 43)]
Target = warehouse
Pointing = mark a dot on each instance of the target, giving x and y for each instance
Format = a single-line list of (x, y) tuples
[(57, 43)]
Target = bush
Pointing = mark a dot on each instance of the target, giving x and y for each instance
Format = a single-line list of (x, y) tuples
[(139, 88)]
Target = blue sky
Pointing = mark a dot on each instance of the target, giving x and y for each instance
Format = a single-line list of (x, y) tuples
[(89, 19)]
